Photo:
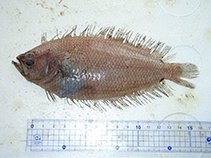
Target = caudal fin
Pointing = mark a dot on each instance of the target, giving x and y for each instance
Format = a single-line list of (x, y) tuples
[(189, 70), (186, 70)]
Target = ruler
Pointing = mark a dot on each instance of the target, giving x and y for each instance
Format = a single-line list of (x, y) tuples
[(114, 135)]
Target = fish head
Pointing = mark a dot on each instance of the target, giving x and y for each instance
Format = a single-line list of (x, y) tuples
[(34, 65)]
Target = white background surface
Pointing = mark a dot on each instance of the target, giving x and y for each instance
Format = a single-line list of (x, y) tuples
[(182, 25)]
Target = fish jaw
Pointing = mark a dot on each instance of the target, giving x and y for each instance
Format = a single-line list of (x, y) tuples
[(18, 66)]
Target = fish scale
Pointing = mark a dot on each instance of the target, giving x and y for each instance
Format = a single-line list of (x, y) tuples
[(115, 135)]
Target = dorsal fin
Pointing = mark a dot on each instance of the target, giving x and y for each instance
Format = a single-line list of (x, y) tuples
[(155, 48)]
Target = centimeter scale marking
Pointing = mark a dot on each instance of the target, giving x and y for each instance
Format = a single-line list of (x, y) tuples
[(113, 135)]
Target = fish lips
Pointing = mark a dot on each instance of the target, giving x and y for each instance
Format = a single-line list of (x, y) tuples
[(19, 65)]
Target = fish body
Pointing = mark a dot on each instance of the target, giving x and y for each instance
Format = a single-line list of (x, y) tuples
[(105, 66)]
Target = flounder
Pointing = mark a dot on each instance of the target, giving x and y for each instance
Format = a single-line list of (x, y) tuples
[(105, 67)]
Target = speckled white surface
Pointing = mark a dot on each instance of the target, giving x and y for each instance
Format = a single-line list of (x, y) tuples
[(184, 26)]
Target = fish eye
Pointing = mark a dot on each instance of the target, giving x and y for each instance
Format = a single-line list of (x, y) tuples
[(29, 56), (29, 63)]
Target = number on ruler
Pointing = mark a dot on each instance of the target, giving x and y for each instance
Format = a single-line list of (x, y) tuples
[(158, 127), (200, 127), (138, 127), (190, 128)]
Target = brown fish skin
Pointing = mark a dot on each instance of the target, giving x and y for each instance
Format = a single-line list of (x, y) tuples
[(94, 68)]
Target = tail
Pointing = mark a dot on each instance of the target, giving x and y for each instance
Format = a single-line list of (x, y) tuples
[(185, 70)]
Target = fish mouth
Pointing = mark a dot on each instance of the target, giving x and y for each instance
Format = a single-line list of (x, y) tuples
[(18, 65)]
